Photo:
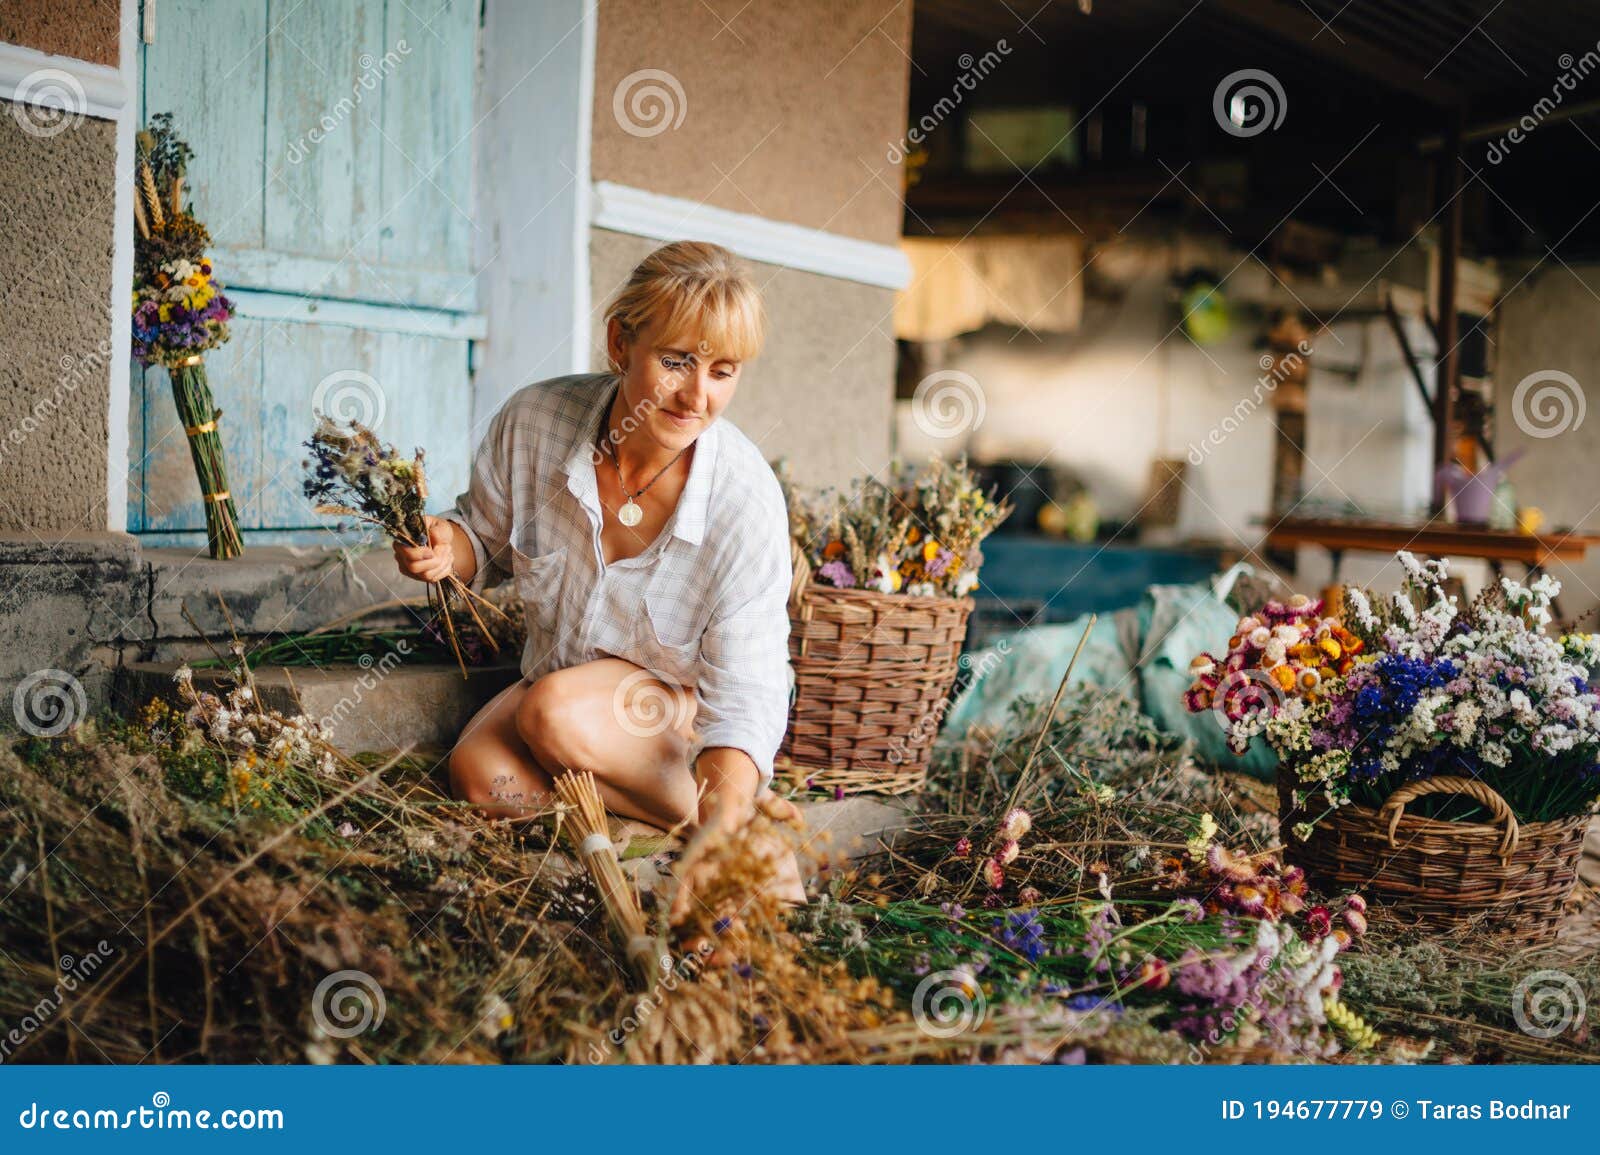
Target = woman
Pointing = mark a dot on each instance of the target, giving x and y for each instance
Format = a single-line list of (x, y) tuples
[(649, 542)]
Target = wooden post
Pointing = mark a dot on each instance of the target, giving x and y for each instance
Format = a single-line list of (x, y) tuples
[(1449, 357)]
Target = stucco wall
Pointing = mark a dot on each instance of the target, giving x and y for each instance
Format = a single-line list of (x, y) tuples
[(821, 393), (782, 109), (85, 29), (1548, 323), (57, 216)]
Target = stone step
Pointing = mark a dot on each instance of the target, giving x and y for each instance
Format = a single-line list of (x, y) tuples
[(846, 830), (366, 709), (269, 590)]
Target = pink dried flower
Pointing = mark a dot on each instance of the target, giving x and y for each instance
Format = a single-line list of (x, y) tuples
[(1007, 854), (994, 874), (1319, 921), (1153, 974), (1235, 868), (1356, 921), (1250, 899), (1017, 823), (1356, 903), (963, 847)]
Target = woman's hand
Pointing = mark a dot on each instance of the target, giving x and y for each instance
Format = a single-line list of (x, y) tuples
[(432, 562), (696, 875)]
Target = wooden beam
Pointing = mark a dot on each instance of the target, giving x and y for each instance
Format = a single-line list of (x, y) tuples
[(1305, 31), (1449, 356)]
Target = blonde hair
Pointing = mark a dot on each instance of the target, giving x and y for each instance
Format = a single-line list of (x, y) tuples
[(697, 291)]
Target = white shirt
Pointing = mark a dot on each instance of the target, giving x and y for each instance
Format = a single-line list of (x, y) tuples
[(704, 606)]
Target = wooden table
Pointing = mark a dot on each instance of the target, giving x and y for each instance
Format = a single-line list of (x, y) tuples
[(1495, 546), (1340, 534)]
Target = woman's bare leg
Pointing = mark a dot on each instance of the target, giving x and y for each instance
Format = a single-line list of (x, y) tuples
[(491, 766), (608, 716), (633, 731)]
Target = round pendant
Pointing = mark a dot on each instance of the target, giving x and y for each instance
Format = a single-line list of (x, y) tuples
[(630, 514)]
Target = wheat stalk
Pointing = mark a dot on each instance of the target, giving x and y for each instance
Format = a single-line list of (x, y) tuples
[(147, 182)]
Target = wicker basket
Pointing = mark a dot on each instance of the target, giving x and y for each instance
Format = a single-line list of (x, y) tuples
[(873, 673), (1517, 875)]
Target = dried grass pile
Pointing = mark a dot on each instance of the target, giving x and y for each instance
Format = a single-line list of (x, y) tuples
[(245, 894)]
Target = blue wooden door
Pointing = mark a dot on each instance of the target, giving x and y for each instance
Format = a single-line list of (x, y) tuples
[(334, 169)]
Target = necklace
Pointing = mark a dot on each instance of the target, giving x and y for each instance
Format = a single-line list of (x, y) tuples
[(630, 514)]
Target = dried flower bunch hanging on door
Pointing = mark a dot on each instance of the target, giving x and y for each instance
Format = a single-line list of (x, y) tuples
[(179, 312)]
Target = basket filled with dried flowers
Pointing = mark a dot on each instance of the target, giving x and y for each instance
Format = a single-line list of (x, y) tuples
[(1445, 758), (878, 613)]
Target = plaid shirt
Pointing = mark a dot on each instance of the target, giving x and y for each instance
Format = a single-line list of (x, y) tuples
[(705, 604)]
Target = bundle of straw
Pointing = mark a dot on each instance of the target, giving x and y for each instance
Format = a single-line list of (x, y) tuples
[(198, 412), (586, 826)]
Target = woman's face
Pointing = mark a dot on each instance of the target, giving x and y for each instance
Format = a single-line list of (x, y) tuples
[(673, 388)]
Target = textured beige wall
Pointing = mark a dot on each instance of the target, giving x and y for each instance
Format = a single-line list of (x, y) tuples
[(788, 107), (56, 238), (85, 29), (821, 393), (1547, 322)]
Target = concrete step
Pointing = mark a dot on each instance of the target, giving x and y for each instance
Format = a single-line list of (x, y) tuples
[(849, 830), (366, 709), (268, 590)]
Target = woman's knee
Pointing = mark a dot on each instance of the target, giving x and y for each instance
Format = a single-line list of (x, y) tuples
[(469, 775), (547, 720)]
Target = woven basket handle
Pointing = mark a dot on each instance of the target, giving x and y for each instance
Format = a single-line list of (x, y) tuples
[(1395, 805), (802, 575)]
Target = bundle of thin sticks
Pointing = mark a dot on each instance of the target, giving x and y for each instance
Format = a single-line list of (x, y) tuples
[(353, 474), (585, 820)]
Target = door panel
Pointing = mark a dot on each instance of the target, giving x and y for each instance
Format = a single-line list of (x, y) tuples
[(333, 166), (324, 133), (409, 385)]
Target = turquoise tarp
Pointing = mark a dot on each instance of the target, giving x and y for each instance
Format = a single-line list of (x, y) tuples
[(1143, 652)]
